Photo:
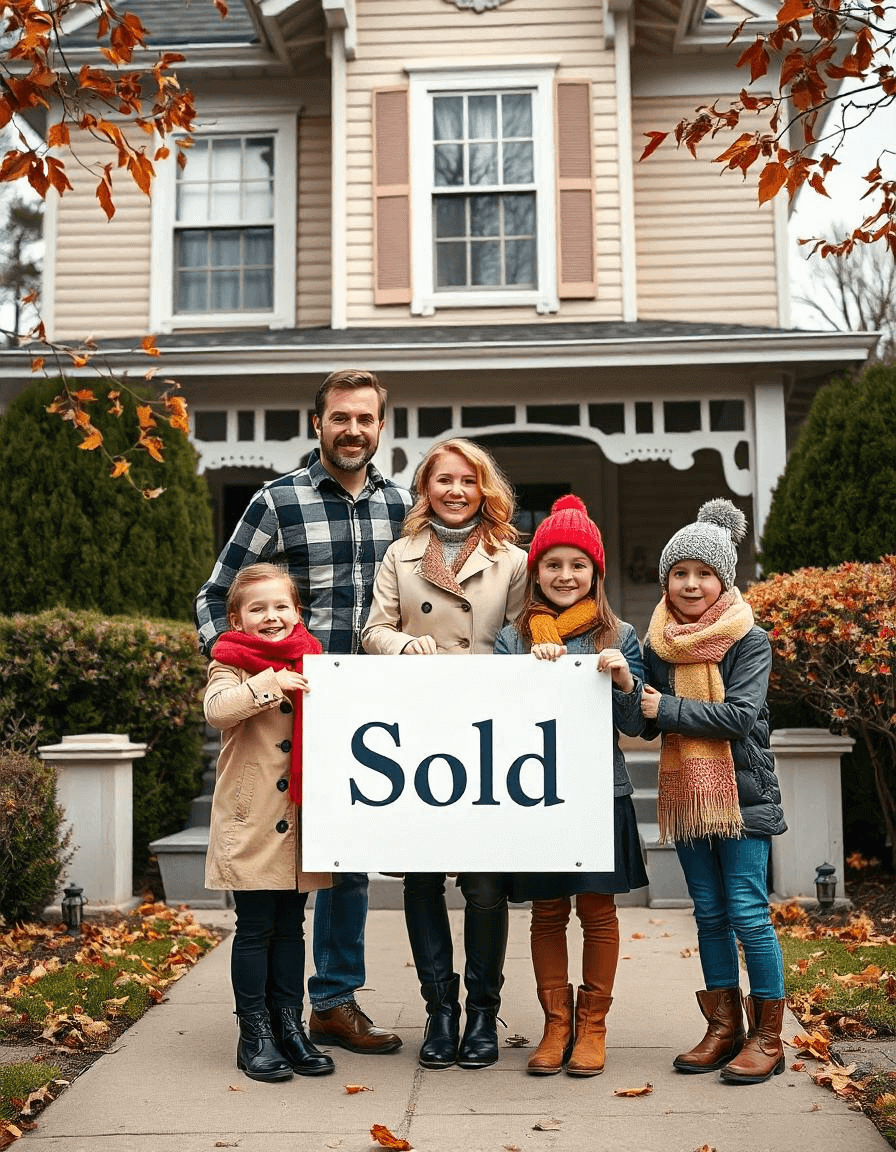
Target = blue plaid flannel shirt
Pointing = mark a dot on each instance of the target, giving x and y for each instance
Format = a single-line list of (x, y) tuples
[(331, 543)]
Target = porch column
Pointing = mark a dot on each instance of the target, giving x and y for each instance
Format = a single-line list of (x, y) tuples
[(769, 447)]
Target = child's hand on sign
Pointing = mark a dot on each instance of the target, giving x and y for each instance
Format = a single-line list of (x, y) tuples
[(611, 660), (548, 651)]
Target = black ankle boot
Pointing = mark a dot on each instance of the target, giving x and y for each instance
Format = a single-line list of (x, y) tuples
[(257, 1053), (439, 1047), (479, 1046), (291, 1039)]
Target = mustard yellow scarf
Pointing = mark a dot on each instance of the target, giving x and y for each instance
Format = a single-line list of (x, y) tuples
[(544, 625), (697, 786)]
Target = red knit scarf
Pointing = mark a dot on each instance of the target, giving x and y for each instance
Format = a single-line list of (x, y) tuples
[(255, 654)]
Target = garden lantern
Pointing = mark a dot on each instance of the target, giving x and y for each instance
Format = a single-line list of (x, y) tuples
[(72, 904), (825, 886)]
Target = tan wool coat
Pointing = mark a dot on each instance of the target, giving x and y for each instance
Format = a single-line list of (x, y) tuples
[(407, 604), (255, 835)]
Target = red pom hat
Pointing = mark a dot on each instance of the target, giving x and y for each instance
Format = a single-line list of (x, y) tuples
[(569, 525)]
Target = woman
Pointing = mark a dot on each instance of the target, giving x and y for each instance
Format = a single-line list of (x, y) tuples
[(449, 585)]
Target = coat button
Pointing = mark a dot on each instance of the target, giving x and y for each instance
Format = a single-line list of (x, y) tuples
[(426, 606), (285, 706), (282, 784), (463, 643), (285, 745), (282, 825), (465, 608)]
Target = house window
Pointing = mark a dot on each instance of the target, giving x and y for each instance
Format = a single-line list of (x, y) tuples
[(484, 210), (224, 228), (483, 188)]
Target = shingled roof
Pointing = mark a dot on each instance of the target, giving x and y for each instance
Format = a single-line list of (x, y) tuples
[(177, 23)]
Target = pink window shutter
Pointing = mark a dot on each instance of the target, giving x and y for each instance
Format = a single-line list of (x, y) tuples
[(575, 191), (391, 198)]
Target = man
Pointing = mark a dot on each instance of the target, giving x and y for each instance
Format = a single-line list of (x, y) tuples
[(331, 523)]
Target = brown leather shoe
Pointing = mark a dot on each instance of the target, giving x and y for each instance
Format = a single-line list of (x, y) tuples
[(762, 1055), (348, 1027), (724, 1033)]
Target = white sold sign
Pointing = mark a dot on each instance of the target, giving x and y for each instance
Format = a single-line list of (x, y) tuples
[(433, 764)]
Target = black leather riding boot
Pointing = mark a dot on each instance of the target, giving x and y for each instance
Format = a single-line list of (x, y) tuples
[(257, 1053), (485, 942)]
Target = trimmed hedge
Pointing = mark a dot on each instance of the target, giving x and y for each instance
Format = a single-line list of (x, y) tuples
[(73, 537), (34, 838), (64, 673)]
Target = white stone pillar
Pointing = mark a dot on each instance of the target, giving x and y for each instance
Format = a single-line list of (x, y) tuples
[(770, 447), (95, 788), (808, 766)]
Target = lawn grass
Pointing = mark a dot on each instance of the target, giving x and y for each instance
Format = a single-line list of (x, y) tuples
[(815, 964), (19, 1079)]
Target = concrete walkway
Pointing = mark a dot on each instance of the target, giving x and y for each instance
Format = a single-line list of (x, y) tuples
[(171, 1084)]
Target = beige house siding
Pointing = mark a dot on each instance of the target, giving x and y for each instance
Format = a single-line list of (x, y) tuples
[(313, 224), (705, 247), (395, 34), (101, 281)]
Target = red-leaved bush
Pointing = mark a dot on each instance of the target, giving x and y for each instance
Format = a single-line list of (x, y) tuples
[(833, 634)]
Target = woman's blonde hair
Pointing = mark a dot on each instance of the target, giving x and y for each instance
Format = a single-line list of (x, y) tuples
[(606, 627), (256, 574), (498, 503)]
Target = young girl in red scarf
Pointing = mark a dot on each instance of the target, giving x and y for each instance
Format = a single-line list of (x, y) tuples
[(566, 611), (707, 668), (254, 695)]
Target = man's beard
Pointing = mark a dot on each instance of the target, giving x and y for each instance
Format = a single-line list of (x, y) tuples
[(348, 463)]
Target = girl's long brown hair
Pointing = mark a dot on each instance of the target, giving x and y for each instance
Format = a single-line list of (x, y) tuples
[(498, 501), (605, 630)]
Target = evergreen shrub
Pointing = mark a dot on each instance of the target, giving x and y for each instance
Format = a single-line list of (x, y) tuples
[(34, 837), (75, 537), (64, 673), (836, 500)]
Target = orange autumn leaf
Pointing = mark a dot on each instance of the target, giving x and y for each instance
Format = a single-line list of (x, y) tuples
[(37, 363), (84, 394), (120, 468), (385, 1139), (145, 417), (354, 1089), (148, 344), (152, 493), (644, 1090), (91, 441)]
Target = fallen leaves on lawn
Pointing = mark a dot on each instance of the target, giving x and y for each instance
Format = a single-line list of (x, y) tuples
[(816, 1044), (838, 1079), (644, 1090), (385, 1139)]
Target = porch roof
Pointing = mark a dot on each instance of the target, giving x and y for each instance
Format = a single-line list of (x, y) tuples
[(415, 347), (177, 23)]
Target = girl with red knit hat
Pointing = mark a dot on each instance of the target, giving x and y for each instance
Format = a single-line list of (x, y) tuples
[(566, 611)]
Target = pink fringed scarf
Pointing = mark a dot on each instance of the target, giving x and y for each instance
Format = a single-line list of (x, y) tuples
[(255, 654), (697, 786)]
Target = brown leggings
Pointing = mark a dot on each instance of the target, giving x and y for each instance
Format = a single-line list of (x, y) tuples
[(597, 914)]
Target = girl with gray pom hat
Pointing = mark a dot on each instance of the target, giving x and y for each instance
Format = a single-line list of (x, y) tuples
[(707, 666)]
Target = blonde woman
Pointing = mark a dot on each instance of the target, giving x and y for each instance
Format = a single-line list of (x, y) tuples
[(449, 585)]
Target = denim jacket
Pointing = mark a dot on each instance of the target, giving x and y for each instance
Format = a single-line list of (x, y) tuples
[(627, 716), (741, 718)]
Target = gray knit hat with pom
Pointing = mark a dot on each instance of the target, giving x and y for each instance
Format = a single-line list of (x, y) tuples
[(713, 538)]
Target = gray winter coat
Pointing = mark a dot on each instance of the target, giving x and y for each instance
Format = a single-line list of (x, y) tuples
[(741, 718)]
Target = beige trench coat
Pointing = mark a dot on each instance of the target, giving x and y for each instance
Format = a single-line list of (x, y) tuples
[(406, 604), (255, 836)]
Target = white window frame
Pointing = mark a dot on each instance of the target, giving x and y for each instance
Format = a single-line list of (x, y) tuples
[(424, 83), (163, 317)]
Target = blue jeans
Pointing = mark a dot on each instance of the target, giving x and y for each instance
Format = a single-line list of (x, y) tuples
[(340, 914), (727, 880)]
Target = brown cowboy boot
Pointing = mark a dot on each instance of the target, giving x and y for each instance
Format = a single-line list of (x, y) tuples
[(724, 1033), (762, 1055), (589, 1053), (556, 1043)]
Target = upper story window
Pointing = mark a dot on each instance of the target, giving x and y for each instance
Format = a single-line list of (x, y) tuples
[(224, 228), (483, 198)]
